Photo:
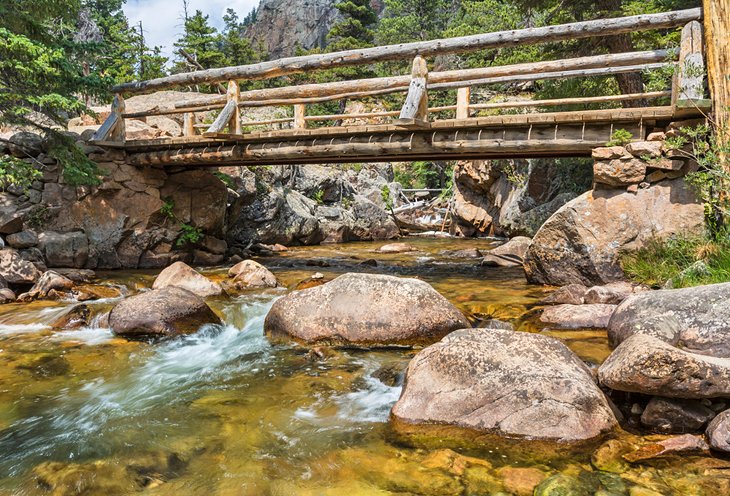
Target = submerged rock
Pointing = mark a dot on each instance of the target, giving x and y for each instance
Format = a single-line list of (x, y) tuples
[(364, 310), (575, 316), (718, 432), (161, 312), (696, 319), (675, 416), (510, 254), (249, 274), (572, 294), (512, 384), (49, 282), (645, 364), (396, 248), (581, 242), (183, 276)]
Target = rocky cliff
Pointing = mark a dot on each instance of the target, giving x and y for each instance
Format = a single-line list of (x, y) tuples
[(514, 197), (282, 26)]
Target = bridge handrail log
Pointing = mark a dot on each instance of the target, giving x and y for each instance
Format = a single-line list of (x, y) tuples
[(464, 44), (321, 92)]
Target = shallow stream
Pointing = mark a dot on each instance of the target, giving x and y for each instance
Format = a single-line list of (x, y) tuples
[(223, 412)]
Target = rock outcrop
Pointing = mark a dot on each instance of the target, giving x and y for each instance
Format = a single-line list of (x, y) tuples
[(696, 319), (645, 364), (183, 276), (15, 270), (514, 197), (161, 313), (303, 206), (581, 242), (507, 383), (364, 310)]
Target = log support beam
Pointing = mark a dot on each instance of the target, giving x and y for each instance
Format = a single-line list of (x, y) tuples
[(688, 89), (463, 95), (717, 34), (300, 119), (415, 109), (112, 128)]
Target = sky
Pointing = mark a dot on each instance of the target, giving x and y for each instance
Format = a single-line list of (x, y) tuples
[(162, 20)]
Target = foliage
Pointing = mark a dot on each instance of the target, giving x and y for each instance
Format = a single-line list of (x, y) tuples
[(413, 20), (225, 179), (712, 178), (15, 173), (77, 168), (354, 30), (236, 48), (188, 234), (385, 195), (202, 41), (684, 261), (318, 196), (620, 137), (37, 216), (514, 176)]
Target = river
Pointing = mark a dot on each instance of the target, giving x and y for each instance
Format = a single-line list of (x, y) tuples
[(223, 412)]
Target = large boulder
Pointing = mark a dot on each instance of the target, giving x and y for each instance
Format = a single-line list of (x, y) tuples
[(276, 217), (70, 249), (647, 365), (696, 319), (364, 310), (15, 270), (48, 282), (581, 242), (508, 383), (183, 276), (161, 312), (250, 274)]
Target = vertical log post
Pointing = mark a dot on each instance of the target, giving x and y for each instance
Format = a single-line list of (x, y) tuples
[(463, 95), (232, 95), (188, 124), (118, 131), (717, 33), (415, 110), (299, 113), (688, 88)]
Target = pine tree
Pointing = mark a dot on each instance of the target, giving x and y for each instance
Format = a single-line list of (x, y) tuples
[(202, 41), (414, 20), (355, 28), (236, 49), (41, 72)]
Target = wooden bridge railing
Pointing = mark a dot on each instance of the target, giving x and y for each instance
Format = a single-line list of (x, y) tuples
[(687, 90)]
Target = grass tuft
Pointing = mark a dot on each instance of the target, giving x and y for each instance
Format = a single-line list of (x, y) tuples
[(679, 262)]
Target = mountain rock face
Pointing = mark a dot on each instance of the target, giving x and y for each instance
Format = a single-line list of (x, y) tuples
[(282, 26)]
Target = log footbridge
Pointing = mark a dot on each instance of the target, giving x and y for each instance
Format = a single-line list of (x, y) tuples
[(466, 129)]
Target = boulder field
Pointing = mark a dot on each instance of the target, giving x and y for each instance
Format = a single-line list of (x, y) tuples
[(367, 310)]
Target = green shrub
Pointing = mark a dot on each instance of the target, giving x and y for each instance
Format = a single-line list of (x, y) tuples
[(318, 196), (620, 137)]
